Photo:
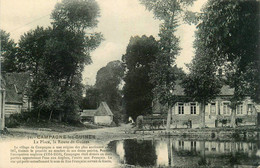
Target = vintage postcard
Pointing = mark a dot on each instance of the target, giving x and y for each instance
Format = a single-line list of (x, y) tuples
[(129, 83)]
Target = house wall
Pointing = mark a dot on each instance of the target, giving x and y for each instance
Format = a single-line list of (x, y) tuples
[(180, 120), (107, 120), (215, 111), (12, 109), (27, 105)]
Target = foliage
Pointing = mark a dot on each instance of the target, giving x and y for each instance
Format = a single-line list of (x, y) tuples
[(223, 121), (76, 15), (202, 84), (108, 81), (162, 75), (119, 117), (8, 52), (239, 121), (31, 49), (229, 31), (223, 43), (57, 55), (15, 120), (138, 96), (92, 98)]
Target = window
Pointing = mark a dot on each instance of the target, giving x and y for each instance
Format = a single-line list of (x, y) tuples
[(213, 108), (192, 108), (226, 109), (181, 144), (193, 144), (226, 146), (249, 108), (181, 108), (240, 109)]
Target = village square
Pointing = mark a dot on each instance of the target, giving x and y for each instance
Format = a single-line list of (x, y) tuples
[(180, 87)]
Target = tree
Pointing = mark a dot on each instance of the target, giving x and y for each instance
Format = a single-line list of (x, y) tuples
[(58, 54), (8, 52), (202, 84), (162, 76), (229, 32), (92, 98), (108, 80), (138, 96), (75, 15), (32, 46)]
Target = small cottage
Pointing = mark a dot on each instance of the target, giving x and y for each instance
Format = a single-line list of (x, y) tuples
[(103, 115), (16, 99)]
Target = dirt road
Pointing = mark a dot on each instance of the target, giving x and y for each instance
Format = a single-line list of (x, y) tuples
[(124, 131)]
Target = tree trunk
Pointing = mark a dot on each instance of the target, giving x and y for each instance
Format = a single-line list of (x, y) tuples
[(39, 114), (233, 118), (169, 118), (60, 116), (50, 115), (202, 114)]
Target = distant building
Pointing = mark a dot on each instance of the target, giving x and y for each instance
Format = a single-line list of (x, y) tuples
[(102, 115), (187, 114), (16, 88)]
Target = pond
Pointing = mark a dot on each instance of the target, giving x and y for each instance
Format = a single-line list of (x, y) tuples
[(186, 153)]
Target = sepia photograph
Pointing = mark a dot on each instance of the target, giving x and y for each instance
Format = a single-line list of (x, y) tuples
[(130, 83)]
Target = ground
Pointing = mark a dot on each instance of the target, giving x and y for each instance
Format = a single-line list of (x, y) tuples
[(127, 131), (124, 131)]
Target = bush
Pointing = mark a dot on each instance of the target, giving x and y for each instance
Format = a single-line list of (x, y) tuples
[(239, 120), (17, 119), (117, 118), (74, 119), (11, 122)]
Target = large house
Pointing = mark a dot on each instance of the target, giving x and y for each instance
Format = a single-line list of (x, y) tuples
[(102, 115), (217, 112)]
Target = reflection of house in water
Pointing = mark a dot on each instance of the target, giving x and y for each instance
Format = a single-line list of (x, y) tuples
[(217, 113), (215, 152), (185, 153)]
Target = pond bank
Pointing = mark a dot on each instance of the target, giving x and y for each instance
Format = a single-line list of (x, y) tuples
[(251, 133)]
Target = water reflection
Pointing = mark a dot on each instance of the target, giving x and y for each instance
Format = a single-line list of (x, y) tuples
[(186, 153)]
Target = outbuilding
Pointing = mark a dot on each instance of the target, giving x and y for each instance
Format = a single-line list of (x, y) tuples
[(102, 115)]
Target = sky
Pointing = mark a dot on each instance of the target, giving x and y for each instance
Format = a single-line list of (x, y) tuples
[(120, 19)]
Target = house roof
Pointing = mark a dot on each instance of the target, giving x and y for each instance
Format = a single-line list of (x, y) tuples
[(15, 85), (179, 90), (226, 90), (88, 113), (103, 110)]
